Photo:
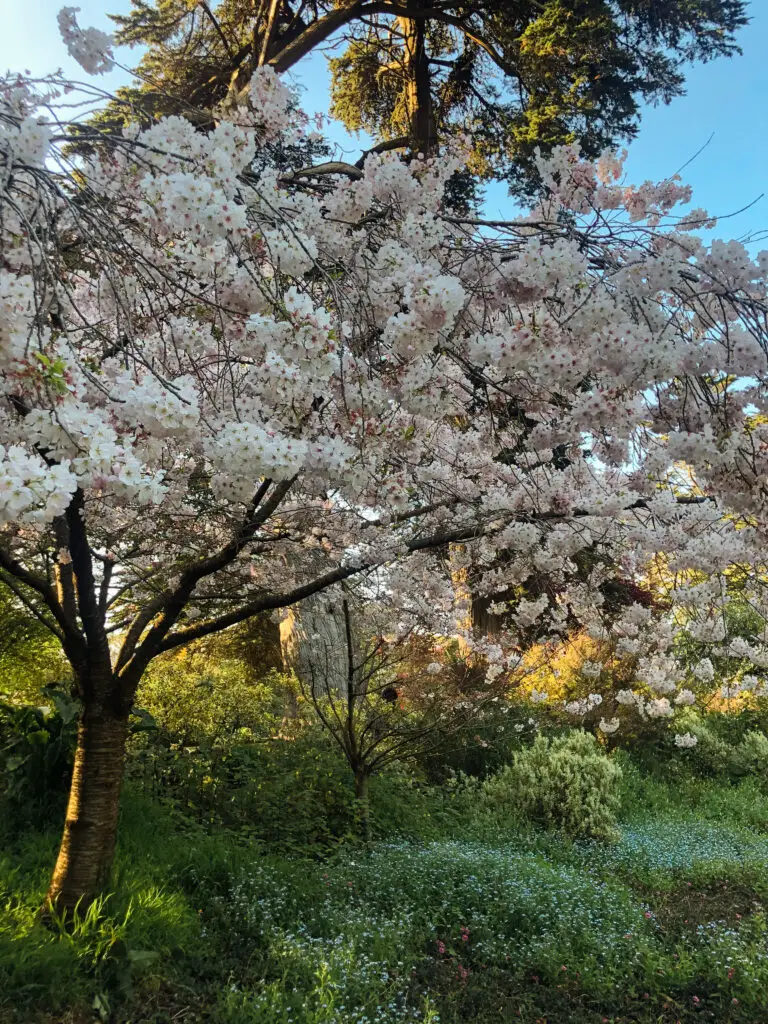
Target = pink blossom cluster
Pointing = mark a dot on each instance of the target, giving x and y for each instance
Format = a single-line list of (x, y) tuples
[(270, 363)]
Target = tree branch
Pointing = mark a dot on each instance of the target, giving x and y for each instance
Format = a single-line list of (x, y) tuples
[(72, 640), (401, 142), (134, 659), (217, 26), (331, 167), (65, 579), (267, 603), (87, 598)]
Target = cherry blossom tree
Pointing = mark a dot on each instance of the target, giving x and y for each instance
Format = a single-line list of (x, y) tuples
[(209, 366)]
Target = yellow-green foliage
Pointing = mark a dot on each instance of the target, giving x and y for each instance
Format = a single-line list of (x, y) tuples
[(200, 698), (715, 754), (30, 656), (566, 782), (753, 751)]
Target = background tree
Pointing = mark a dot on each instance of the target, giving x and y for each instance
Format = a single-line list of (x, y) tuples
[(311, 633), (516, 74), (254, 643)]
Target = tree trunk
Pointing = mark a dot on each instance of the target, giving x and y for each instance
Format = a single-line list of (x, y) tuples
[(418, 92), (362, 804), (473, 611), (313, 645), (269, 31), (90, 831)]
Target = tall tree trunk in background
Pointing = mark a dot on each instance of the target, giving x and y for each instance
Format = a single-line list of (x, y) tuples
[(90, 830), (473, 610), (313, 645), (418, 92), (270, 18)]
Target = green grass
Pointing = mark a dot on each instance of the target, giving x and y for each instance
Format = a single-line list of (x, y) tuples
[(487, 924)]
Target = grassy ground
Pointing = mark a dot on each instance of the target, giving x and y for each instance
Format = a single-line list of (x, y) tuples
[(487, 924)]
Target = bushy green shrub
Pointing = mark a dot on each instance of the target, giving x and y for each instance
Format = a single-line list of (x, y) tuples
[(206, 700), (289, 794), (31, 658), (729, 747), (404, 806), (565, 782), (486, 744), (230, 751), (37, 744), (751, 756), (713, 754)]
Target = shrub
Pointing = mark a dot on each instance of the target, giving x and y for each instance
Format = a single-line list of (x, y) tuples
[(404, 806), (729, 746), (31, 659), (712, 755), (200, 700), (36, 749), (482, 747), (565, 782), (750, 757), (288, 794)]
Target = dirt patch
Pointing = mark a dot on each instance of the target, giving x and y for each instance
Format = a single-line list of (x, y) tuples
[(679, 910)]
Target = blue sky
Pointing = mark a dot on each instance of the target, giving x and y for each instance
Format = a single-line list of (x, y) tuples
[(725, 99)]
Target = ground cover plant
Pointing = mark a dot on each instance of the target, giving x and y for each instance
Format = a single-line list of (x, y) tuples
[(490, 922)]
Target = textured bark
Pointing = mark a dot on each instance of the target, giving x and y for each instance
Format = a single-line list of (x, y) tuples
[(474, 610), (418, 93), (313, 644), (90, 831)]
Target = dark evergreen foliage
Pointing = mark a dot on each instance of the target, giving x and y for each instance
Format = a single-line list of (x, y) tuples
[(518, 74)]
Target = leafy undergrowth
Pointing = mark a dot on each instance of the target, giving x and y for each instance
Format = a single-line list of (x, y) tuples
[(665, 925)]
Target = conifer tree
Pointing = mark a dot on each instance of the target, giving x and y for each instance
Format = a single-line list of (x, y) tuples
[(518, 74)]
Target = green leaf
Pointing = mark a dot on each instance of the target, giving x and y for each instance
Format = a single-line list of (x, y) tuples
[(38, 738), (67, 708), (142, 721), (142, 957), (101, 1005)]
